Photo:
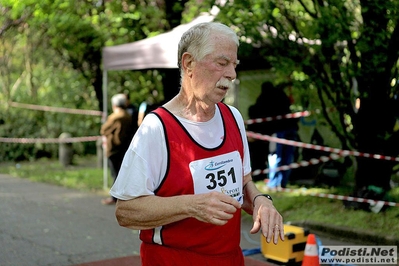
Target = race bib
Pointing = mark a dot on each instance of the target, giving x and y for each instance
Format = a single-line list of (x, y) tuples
[(222, 173)]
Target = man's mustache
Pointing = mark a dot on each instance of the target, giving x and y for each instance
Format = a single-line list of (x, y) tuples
[(225, 83)]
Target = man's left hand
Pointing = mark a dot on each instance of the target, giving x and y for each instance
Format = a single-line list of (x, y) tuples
[(268, 220)]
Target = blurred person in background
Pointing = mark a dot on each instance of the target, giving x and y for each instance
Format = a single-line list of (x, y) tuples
[(272, 102), (133, 112), (118, 130)]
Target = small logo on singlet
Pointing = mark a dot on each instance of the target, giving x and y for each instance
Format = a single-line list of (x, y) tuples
[(211, 166), (214, 166)]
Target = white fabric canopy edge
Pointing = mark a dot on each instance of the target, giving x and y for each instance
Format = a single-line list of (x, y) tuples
[(155, 52)]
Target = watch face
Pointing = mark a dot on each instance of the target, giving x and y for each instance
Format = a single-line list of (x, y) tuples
[(268, 196)]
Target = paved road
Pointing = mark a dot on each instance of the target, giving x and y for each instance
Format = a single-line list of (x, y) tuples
[(41, 225), (46, 225)]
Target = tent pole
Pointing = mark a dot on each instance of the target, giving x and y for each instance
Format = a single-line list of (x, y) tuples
[(104, 140)]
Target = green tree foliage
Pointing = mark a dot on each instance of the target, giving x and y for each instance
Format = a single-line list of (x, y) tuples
[(50, 54), (332, 51), (342, 50)]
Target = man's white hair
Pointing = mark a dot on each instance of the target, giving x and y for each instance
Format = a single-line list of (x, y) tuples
[(196, 40), (119, 100)]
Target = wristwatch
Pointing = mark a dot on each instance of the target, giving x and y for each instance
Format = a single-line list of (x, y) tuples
[(264, 195)]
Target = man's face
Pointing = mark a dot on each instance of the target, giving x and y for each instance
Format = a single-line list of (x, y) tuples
[(213, 75)]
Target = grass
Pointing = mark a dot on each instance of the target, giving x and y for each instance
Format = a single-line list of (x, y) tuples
[(294, 206), (83, 174), (329, 211)]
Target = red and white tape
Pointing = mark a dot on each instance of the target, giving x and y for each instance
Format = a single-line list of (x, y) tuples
[(56, 109), (339, 197), (320, 148), (312, 161), (49, 140), (286, 116), (278, 117)]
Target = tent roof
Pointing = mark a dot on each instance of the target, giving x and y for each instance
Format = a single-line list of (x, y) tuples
[(155, 52)]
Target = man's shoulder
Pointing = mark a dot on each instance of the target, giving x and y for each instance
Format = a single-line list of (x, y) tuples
[(121, 115), (112, 116), (234, 110)]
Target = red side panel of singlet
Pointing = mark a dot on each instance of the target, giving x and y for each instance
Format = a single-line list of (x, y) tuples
[(190, 233)]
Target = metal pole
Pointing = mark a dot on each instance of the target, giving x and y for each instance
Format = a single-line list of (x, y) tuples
[(104, 141)]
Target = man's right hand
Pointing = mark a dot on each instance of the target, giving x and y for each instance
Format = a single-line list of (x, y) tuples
[(214, 207)]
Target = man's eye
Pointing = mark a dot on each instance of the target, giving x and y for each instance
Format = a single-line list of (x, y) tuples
[(223, 63)]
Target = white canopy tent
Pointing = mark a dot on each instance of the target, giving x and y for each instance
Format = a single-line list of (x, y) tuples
[(158, 52), (151, 53)]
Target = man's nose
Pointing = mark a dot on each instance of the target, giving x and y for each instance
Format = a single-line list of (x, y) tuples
[(230, 72)]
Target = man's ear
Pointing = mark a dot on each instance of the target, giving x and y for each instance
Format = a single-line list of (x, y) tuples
[(188, 63)]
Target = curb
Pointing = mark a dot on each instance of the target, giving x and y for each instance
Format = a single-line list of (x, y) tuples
[(349, 233), (135, 261)]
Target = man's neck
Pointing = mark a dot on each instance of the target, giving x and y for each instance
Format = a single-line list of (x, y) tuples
[(190, 108)]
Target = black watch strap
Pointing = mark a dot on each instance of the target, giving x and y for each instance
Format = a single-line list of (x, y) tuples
[(264, 195)]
